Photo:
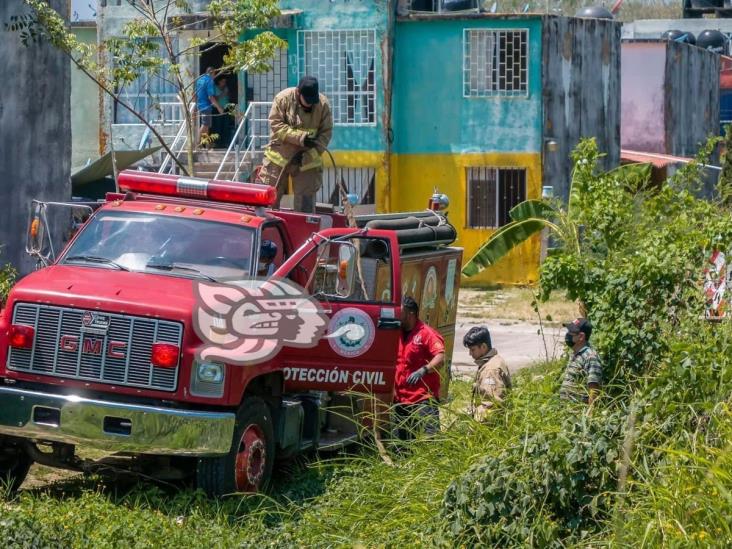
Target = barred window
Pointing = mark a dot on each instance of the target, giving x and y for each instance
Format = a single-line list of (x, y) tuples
[(495, 63), (358, 181), (343, 61), (263, 86), (492, 192)]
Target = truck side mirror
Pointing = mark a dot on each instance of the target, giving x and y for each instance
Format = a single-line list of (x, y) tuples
[(346, 269), (53, 224), (36, 234)]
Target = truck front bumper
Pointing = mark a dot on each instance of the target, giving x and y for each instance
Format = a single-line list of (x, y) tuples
[(114, 426)]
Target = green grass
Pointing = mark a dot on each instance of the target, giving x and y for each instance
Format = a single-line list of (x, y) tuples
[(347, 500), (679, 494)]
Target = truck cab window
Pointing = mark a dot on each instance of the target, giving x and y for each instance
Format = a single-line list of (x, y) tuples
[(357, 270), (273, 250), (164, 244)]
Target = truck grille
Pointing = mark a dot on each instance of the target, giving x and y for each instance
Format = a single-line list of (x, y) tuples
[(118, 354)]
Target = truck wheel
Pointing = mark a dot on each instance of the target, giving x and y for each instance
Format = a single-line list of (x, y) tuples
[(248, 465), (14, 465)]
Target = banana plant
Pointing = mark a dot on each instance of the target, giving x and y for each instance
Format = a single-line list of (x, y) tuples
[(527, 219), (532, 216)]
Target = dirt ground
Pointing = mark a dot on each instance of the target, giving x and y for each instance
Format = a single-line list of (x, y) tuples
[(520, 335)]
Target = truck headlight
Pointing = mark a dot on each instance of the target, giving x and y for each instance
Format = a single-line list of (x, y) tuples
[(210, 372), (207, 379)]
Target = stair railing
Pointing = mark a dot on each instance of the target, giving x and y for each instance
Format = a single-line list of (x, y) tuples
[(247, 145), (178, 144)]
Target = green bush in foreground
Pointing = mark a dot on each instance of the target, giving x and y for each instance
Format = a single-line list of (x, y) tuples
[(637, 270)]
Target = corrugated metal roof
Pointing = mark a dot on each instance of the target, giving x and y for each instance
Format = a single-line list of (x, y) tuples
[(102, 167), (658, 160)]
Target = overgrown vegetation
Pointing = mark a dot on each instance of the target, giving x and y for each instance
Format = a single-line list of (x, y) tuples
[(648, 464), (8, 275)]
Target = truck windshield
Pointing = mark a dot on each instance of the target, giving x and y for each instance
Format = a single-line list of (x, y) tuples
[(163, 244)]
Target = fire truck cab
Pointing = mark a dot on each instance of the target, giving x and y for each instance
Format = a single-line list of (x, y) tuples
[(101, 348)]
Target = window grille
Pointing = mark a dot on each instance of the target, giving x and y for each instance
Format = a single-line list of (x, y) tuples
[(358, 181), (343, 61), (495, 63), (492, 192), (264, 86), (147, 95)]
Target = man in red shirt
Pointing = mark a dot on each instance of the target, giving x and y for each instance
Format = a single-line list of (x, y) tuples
[(417, 381)]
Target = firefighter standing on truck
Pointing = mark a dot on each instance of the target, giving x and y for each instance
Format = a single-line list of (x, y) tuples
[(301, 126), (417, 381)]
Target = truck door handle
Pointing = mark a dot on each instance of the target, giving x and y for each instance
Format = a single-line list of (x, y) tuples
[(389, 324)]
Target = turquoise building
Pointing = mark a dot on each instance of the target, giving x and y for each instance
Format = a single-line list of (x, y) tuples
[(483, 107)]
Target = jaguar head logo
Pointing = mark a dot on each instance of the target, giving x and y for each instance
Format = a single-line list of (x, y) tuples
[(248, 322)]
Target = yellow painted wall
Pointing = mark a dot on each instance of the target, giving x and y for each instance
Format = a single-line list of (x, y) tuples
[(413, 180)]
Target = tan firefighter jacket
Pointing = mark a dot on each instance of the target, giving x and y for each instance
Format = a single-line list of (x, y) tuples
[(490, 385), (290, 125)]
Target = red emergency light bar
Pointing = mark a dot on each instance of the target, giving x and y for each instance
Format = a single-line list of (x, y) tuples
[(250, 194)]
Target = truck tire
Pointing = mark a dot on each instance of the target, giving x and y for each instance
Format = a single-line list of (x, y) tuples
[(14, 465), (248, 465)]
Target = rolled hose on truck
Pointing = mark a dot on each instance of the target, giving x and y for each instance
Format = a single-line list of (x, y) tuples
[(405, 223), (411, 230), (417, 228), (444, 234)]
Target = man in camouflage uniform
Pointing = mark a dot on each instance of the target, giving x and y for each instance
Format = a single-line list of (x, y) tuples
[(301, 126), (492, 379), (583, 375)]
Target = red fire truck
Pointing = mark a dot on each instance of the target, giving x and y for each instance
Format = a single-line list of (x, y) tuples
[(101, 348)]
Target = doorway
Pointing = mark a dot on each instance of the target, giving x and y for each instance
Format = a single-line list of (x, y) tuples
[(227, 88)]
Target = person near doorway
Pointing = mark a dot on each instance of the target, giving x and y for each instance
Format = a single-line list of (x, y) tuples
[(417, 381), (301, 126), (222, 123), (206, 102)]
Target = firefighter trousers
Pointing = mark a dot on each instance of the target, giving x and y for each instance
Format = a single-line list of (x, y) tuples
[(305, 184)]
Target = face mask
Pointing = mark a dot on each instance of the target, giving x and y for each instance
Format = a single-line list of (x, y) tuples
[(568, 339)]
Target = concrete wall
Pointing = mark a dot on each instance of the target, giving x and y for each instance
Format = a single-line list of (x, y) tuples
[(581, 90), (345, 15), (364, 146), (439, 133), (35, 132), (84, 106)]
